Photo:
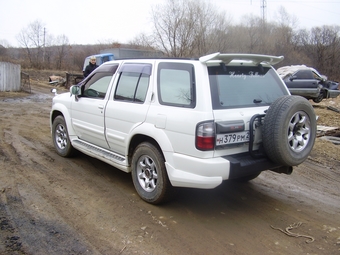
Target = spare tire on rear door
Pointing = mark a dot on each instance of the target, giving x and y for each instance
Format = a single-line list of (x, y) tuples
[(289, 130)]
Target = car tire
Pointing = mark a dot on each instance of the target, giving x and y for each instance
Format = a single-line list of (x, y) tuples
[(60, 138), (289, 130), (319, 98), (149, 174)]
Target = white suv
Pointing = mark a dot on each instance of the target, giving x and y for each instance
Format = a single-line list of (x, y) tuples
[(184, 122)]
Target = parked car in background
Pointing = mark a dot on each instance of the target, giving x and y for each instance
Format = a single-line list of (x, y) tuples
[(308, 82)]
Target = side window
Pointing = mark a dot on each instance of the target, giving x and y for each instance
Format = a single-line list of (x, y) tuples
[(133, 82), (304, 74), (176, 84), (316, 76), (97, 86)]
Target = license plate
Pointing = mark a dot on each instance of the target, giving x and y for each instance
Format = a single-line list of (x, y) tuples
[(232, 138)]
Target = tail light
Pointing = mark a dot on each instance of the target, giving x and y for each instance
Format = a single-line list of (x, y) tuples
[(205, 136)]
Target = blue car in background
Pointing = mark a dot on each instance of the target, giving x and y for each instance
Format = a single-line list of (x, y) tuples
[(100, 59)]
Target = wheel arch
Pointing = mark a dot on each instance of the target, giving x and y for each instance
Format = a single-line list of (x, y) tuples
[(61, 110), (138, 139), (148, 133)]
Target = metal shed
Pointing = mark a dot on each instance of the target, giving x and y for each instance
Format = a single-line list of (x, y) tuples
[(10, 77)]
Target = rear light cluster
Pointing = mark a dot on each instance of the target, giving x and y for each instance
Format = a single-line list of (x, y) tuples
[(205, 136)]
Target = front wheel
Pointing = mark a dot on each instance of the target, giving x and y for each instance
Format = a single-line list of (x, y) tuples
[(60, 138), (149, 174), (319, 98)]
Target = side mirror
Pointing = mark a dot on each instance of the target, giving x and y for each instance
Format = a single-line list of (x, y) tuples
[(324, 78), (75, 90), (54, 91), (291, 78)]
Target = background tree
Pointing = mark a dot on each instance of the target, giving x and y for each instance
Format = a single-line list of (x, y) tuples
[(31, 39), (193, 28), (322, 45), (62, 49), (4, 43), (183, 28)]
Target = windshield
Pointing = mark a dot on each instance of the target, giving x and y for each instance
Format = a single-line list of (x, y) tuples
[(244, 86)]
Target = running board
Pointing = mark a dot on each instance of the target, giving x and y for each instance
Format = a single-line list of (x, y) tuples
[(98, 152)]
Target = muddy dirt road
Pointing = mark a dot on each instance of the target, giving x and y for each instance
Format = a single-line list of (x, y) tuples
[(53, 205)]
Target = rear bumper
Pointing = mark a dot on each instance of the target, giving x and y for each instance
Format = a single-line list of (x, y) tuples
[(243, 165), (186, 171)]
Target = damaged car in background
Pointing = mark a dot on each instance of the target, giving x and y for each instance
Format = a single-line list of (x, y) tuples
[(308, 82)]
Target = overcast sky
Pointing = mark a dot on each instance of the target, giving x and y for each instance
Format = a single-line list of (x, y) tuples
[(95, 21)]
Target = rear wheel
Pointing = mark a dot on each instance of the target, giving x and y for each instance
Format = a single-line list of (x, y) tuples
[(289, 130), (149, 174)]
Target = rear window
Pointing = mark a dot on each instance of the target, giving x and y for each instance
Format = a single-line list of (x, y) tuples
[(244, 86), (133, 82)]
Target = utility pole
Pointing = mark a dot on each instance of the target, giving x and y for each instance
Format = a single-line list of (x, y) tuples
[(44, 45), (263, 7)]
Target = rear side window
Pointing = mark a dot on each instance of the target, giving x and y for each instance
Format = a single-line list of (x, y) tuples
[(244, 86), (133, 82), (176, 84)]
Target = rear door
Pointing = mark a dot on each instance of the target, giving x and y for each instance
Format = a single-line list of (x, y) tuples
[(127, 106), (303, 79)]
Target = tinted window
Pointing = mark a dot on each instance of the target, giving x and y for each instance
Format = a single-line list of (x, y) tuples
[(176, 84), (97, 85), (304, 74), (244, 86), (133, 82)]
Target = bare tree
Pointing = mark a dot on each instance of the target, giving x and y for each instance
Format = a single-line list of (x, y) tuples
[(32, 38), (220, 34), (62, 49), (322, 45), (143, 40), (283, 36), (171, 27), (4, 43), (284, 19), (184, 28), (253, 34)]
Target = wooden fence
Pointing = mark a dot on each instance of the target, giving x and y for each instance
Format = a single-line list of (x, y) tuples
[(25, 82), (10, 79), (73, 78)]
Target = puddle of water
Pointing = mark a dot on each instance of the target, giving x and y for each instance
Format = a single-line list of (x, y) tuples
[(30, 98)]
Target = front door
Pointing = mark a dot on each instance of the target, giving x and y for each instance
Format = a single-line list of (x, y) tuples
[(87, 111)]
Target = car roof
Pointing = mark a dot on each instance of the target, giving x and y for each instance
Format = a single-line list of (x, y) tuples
[(218, 58), (289, 70)]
